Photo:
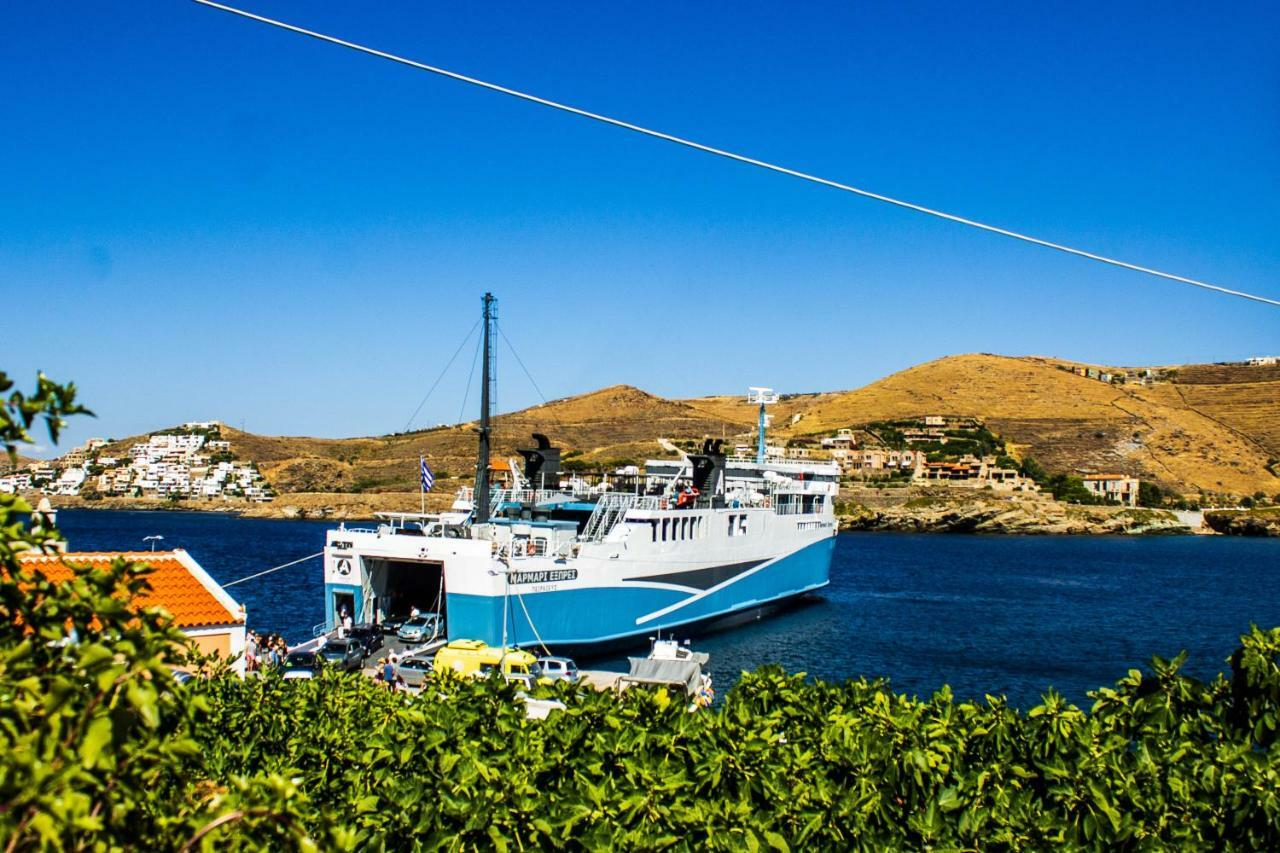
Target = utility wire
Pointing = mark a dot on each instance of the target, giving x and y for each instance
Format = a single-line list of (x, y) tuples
[(276, 569), (467, 394), (751, 161), (520, 362), (449, 364), (555, 418)]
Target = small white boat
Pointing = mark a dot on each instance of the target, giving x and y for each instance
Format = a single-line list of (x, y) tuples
[(670, 664)]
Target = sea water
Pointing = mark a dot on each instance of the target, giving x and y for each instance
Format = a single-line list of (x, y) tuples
[(1005, 615)]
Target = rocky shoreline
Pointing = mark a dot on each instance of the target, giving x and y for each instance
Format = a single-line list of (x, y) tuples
[(1245, 522), (336, 506), (1024, 515)]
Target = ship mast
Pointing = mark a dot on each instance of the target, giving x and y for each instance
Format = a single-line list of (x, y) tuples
[(486, 379), (761, 397)]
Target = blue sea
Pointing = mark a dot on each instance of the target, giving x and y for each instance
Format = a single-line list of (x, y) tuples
[(984, 614)]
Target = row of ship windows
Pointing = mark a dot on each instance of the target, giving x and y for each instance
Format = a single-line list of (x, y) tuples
[(691, 527)]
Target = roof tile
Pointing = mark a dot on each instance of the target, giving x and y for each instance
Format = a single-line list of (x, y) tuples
[(173, 585)]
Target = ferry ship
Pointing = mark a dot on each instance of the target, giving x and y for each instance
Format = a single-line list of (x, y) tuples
[(548, 562)]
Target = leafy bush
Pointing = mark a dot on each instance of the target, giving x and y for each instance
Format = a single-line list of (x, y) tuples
[(1033, 470), (1149, 494), (1070, 488)]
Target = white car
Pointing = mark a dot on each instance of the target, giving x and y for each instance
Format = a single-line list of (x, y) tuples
[(557, 669), (421, 628)]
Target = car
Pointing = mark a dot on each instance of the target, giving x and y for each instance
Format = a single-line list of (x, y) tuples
[(421, 628), (391, 624), (302, 665), (368, 636), (343, 654), (181, 676), (556, 669), (416, 669)]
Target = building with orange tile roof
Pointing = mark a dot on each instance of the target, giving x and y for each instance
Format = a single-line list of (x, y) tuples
[(201, 608)]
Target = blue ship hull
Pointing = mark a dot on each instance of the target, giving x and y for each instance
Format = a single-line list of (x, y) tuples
[(602, 615)]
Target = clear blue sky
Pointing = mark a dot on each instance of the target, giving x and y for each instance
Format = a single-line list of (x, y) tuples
[(206, 218)]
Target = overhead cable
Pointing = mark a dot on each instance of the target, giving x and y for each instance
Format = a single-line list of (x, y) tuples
[(447, 365), (741, 158)]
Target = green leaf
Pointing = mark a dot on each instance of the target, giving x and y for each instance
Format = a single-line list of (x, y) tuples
[(96, 737), (776, 842)]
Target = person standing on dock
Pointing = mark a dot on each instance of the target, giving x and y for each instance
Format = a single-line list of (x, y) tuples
[(251, 651)]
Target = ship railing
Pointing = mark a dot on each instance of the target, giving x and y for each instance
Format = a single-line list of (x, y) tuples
[(521, 548), (798, 487), (609, 511), (775, 460), (791, 501)]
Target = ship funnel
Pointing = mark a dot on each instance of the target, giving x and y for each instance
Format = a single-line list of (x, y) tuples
[(542, 463), (708, 468)]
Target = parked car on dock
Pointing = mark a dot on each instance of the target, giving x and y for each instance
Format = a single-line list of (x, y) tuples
[(302, 665), (419, 629), (391, 624), (369, 637), (415, 669), (344, 654), (556, 669)]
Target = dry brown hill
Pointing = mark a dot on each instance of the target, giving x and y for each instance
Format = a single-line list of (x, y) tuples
[(789, 409), (20, 462), (1213, 428), (1241, 398), (610, 425)]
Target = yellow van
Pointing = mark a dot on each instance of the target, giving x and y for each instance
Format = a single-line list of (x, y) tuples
[(476, 659)]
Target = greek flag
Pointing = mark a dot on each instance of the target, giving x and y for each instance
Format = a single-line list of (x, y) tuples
[(428, 479)]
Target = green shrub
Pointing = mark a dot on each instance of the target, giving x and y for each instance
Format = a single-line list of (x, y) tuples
[(1149, 494)]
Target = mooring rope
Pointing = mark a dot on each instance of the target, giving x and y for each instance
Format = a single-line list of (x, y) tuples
[(275, 569)]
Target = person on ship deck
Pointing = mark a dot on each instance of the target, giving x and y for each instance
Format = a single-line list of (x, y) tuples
[(687, 498)]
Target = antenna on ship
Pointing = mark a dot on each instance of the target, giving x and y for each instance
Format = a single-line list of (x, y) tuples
[(763, 397), (486, 380)]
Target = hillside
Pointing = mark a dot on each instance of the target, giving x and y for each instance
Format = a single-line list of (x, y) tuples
[(1212, 428), (20, 462), (613, 424)]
